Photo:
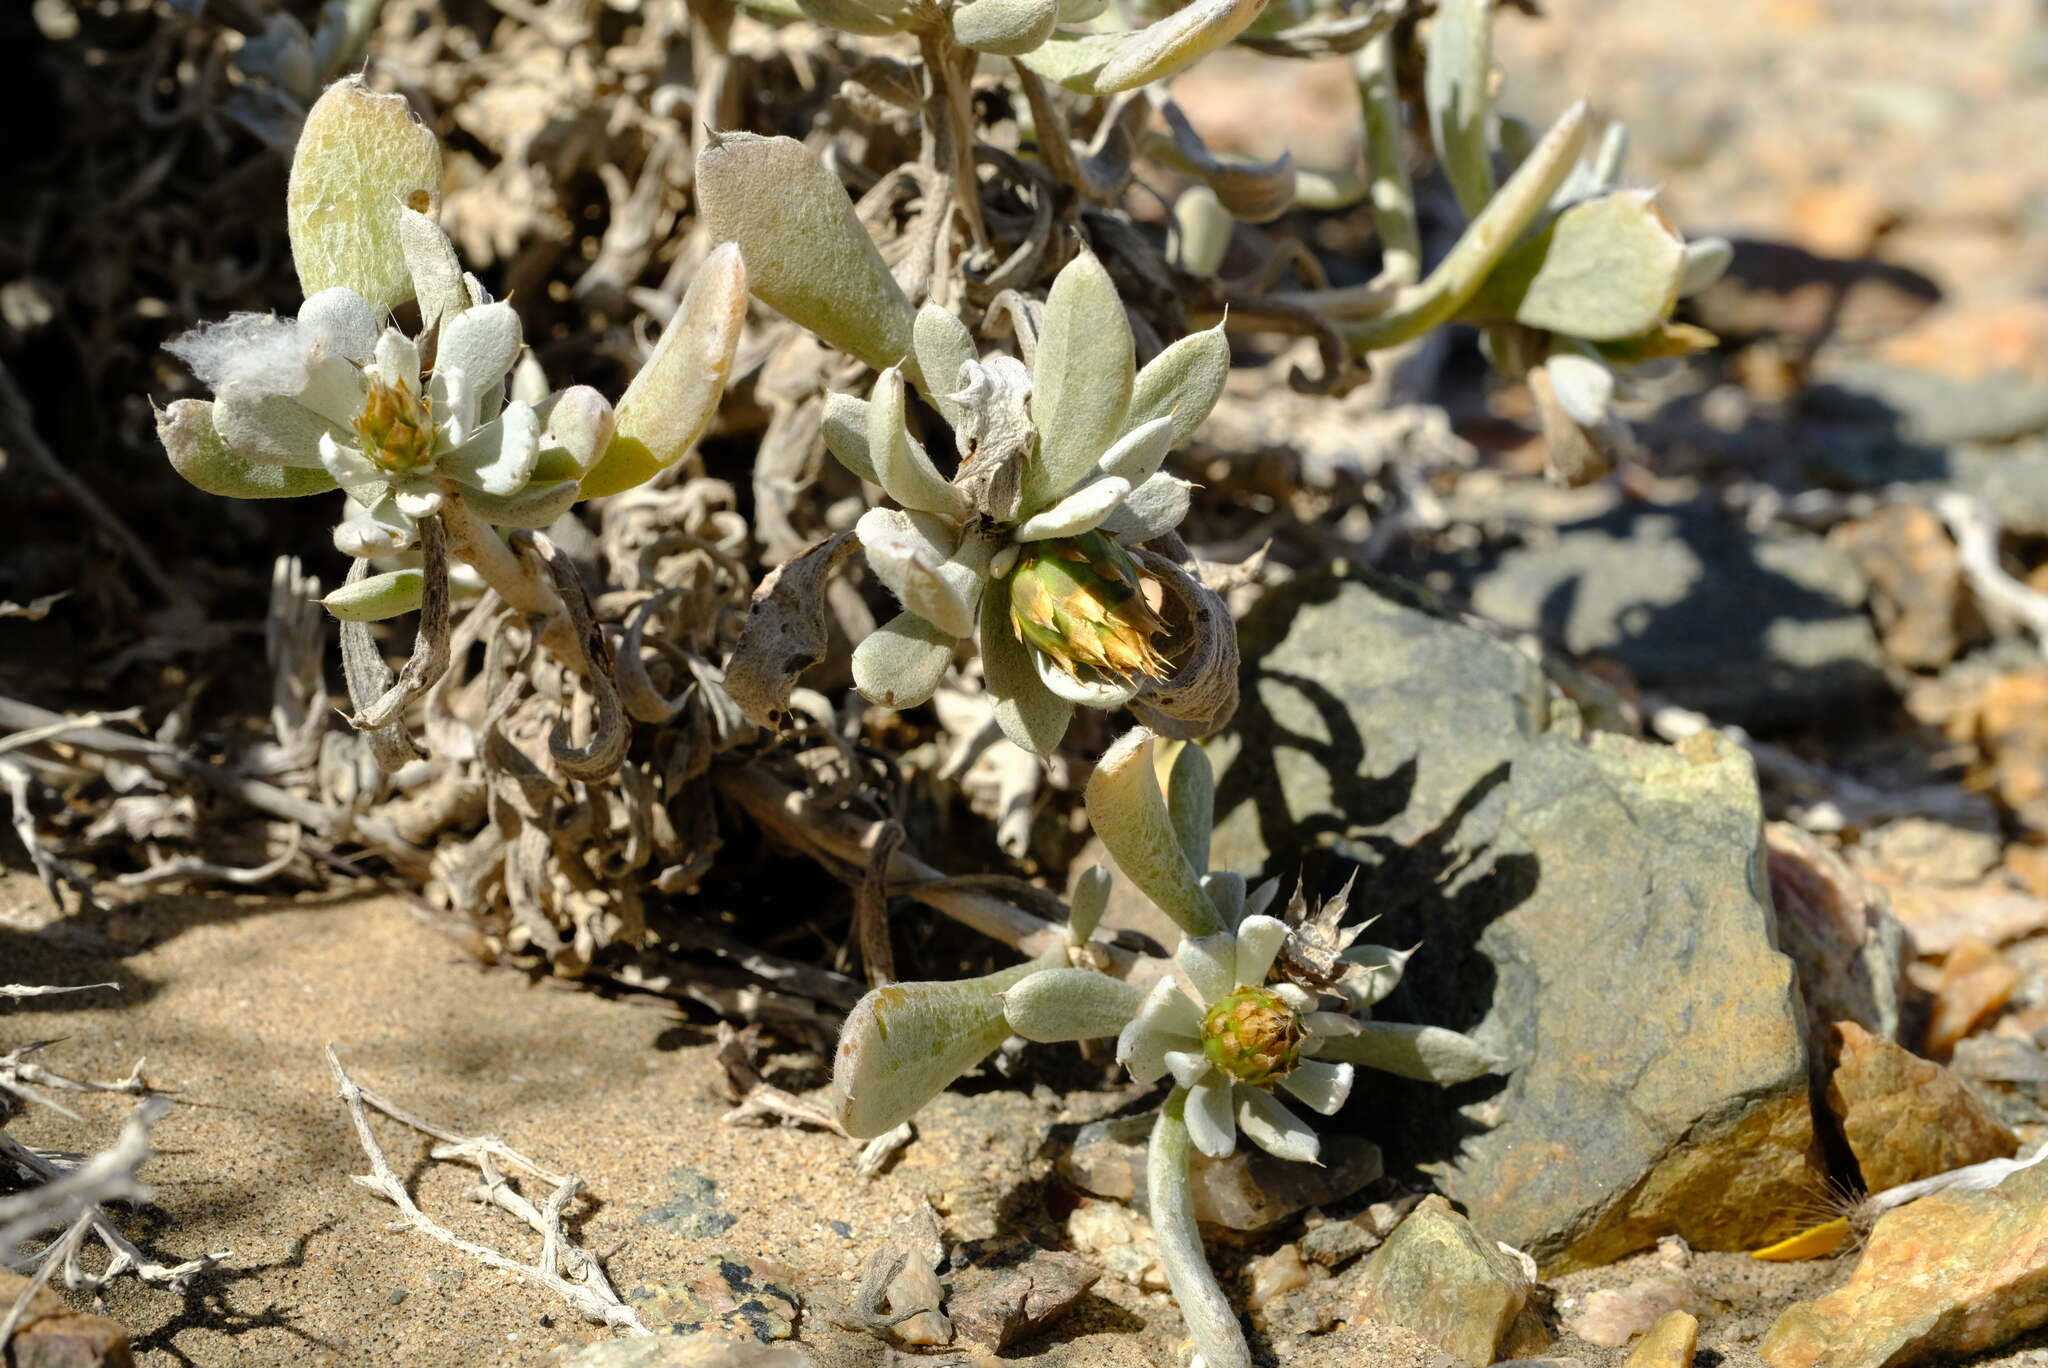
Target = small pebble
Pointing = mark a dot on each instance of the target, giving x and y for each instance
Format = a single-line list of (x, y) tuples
[(397, 1296), (1274, 1276)]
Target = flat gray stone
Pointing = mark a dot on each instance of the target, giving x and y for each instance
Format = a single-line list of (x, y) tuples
[(1594, 910)]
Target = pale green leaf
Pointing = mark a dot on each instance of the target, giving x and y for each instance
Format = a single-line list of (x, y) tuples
[(199, 454), (1007, 28), (361, 158), (1183, 382), (378, 597), (900, 663), (1028, 713), (1129, 814), (903, 1043), (1081, 382), (1604, 269), (1429, 1053), (670, 402), (809, 257), (1070, 1004)]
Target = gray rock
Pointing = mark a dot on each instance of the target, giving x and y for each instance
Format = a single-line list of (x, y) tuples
[(1250, 1190), (1760, 629), (1442, 1279), (1927, 407), (1595, 911), (693, 1209)]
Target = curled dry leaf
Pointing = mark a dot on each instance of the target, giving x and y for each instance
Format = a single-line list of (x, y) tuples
[(787, 631)]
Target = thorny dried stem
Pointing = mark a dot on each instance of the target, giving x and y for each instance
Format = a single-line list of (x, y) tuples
[(564, 1268)]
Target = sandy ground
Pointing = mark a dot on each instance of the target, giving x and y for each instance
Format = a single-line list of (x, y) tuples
[(231, 1000)]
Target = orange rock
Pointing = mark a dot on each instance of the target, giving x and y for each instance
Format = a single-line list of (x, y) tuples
[(1840, 220), (1975, 341), (1946, 1276), (1670, 1343), (1975, 982), (1905, 1117), (2029, 864), (2012, 729), (52, 1335), (1916, 580)]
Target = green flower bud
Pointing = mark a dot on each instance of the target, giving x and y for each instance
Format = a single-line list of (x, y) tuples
[(1253, 1035), (1081, 601)]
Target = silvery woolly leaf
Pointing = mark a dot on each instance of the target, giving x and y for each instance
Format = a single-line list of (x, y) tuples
[(361, 157), (1081, 11), (1081, 511), (436, 273), (378, 597), (907, 552), (580, 422), (1429, 1053), (262, 426), (482, 343), (1128, 811), (1191, 800), (1604, 269), (1455, 84), (1104, 692), (903, 1043), (1007, 28), (198, 453), (1028, 713), (810, 258), (942, 345), (1089, 901), (1139, 453), (670, 402), (1202, 231), (1266, 1122), (498, 457), (1151, 510), (534, 506), (1170, 1201), (1584, 388), (377, 529), (900, 663), (845, 427), (1081, 383), (340, 322), (1054, 1005), (1183, 382), (1706, 260), (1376, 971), (1106, 63), (900, 462)]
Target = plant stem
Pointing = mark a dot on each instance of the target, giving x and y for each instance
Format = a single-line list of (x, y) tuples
[(1386, 155), (1172, 1207), (477, 544)]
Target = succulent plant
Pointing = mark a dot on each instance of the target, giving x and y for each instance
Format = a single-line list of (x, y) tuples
[(1259, 1006), (1037, 545), (412, 428)]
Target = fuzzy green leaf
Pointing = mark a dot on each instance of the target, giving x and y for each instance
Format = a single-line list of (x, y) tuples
[(199, 454), (1184, 381), (670, 402), (361, 158), (1128, 811), (809, 257), (903, 1043), (378, 597), (1007, 28), (1070, 1004), (900, 663), (1429, 1053), (1081, 382), (1106, 63), (1603, 269), (1029, 713), (1191, 802)]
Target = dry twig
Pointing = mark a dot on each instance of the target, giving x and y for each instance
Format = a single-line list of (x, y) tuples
[(564, 1268)]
